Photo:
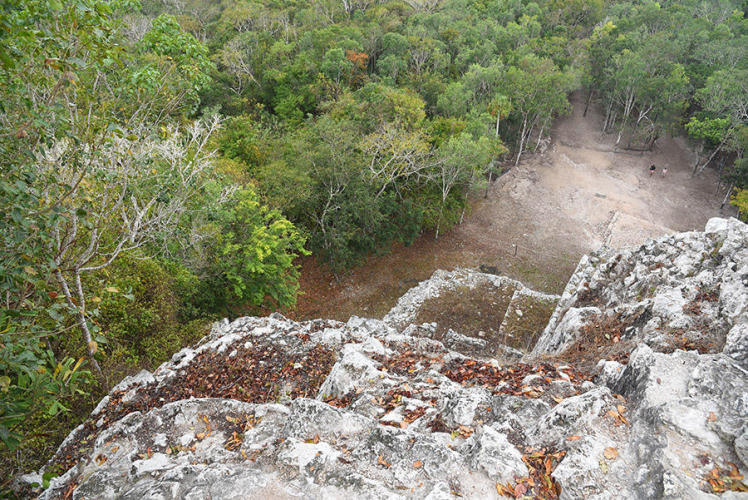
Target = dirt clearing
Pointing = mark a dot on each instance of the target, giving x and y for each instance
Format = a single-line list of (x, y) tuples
[(555, 206)]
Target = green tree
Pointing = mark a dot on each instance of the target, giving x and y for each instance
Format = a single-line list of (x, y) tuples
[(255, 251), (51, 52), (461, 160), (536, 90), (740, 200), (335, 65), (178, 54), (724, 98)]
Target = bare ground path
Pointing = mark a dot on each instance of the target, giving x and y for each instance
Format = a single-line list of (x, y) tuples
[(555, 206)]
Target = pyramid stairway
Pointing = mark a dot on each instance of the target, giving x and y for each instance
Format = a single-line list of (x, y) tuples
[(475, 313)]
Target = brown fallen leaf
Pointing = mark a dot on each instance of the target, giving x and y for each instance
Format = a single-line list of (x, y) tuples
[(610, 453), (505, 491), (417, 464), (465, 431), (382, 461), (734, 472), (617, 415), (572, 438)]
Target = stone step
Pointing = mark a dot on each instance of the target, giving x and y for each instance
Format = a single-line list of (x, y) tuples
[(525, 318), (465, 310)]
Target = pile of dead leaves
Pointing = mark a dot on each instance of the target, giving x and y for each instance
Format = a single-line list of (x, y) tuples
[(393, 399), (618, 415), (253, 374), (341, 401), (693, 308), (405, 362), (539, 483), (678, 339), (413, 415), (239, 425), (601, 338), (722, 479), (438, 424), (509, 379), (707, 295), (605, 329)]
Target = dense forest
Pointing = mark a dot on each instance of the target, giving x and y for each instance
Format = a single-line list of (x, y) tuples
[(166, 162)]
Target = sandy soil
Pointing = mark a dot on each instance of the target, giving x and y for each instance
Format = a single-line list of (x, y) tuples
[(555, 206)]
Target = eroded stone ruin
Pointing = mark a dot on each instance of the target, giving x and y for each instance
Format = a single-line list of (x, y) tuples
[(636, 388)]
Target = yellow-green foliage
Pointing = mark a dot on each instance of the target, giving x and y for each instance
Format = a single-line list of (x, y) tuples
[(740, 200), (144, 313)]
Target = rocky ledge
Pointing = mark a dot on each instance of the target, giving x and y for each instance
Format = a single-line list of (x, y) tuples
[(636, 388)]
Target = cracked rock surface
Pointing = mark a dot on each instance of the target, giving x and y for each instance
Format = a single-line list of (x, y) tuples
[(272, 408)]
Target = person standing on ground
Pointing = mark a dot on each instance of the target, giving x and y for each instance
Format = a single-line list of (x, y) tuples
[(664, 171), (652, 169)]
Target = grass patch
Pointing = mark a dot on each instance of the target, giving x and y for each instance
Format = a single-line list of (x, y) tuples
[(472, 311), (521, 332)]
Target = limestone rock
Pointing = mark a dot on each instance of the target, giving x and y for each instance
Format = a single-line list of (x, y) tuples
[(685, 290), (273, 408)]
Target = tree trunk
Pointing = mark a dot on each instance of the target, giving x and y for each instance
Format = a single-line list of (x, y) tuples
[(81, 316), (613, 118), (587, 105), (652, 140), (721, 167), (540, 136), (467, 192), (521, 140), (700, 169), (498, 120), (529, 134), (633, 133), (698, 157), (727, 196), (607, 116), (626, 113)]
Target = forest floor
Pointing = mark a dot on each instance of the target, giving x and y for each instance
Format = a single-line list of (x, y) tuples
[(555, 206)]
